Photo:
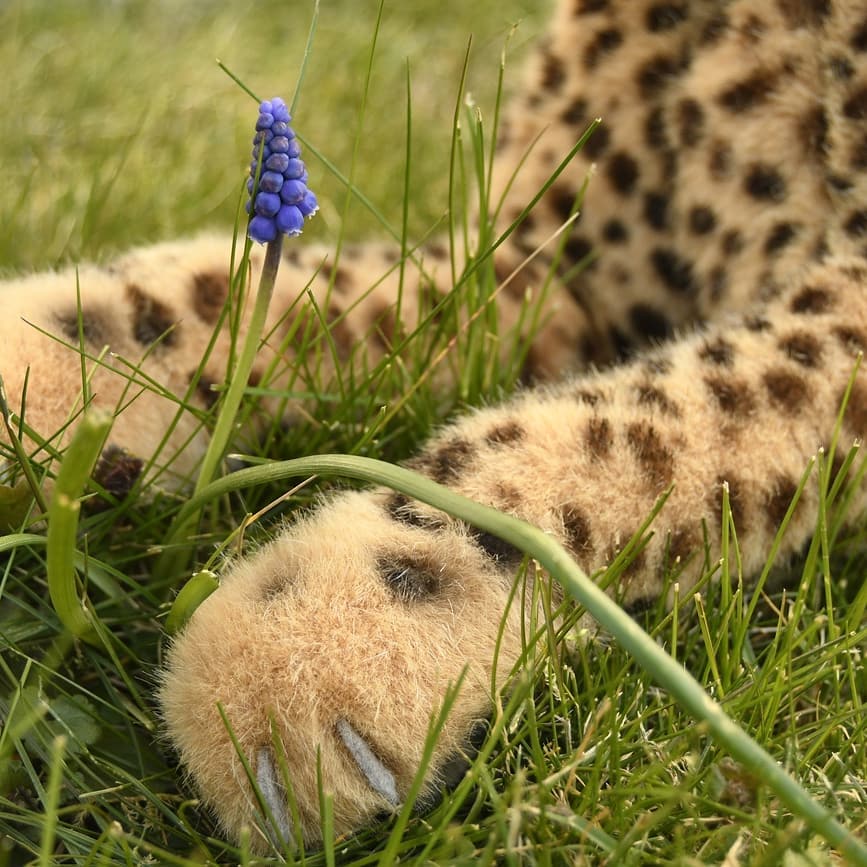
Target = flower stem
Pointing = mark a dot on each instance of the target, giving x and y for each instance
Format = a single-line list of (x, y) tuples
[(239, 377), (172, 559)]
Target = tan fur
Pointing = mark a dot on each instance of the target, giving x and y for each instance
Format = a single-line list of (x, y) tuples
[(730, 184)]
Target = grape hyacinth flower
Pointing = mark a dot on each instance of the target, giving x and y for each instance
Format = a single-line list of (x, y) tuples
[(281, 200), (279, 203)]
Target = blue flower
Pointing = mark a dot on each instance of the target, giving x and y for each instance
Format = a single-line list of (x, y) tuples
[(280, 200)]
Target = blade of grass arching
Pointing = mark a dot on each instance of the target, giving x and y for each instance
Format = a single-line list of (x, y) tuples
[(558, 563), (78, 461)]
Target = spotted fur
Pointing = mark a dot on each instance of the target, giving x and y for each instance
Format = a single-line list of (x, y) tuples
[(729, 192)]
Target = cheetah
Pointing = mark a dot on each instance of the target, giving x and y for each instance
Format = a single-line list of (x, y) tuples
[(709, 301)]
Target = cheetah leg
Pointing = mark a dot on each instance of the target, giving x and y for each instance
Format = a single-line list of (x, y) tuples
[(367, 610)]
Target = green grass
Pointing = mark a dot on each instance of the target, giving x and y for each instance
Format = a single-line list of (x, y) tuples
[(118, 127), (589, 760)]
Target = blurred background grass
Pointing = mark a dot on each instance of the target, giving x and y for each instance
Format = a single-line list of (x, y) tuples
[(119, 128)]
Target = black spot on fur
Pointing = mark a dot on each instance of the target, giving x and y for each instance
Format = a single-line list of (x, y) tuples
[(648, 395), (508, 496), (812, 299), (92, 326), (445, 463), (675, 272), (720, 160), (714, 29), (757, 323), (804, 13), (858, 159), (737, 500), (691, 119), (605, 42), (553, 72), (765, 183), (598, 143), (702, 220), (665, 16), (562, 200), (622, 171), (649, 322), (856, 408), (588, 7), (718, 352), (615, 232), (802, 347), (205, 389), (576, 524), (682, 541), (658, 364), (856, 224), (858, 40), (853, 340), (733, 396), (577, 248), (455, 766), (655, 74), (654, 458), (209, 292), (588, 396), (813, 131), (855, 107), (341, 331), (748, 93), (780, 236), (655, 134), (656, 210), (575, 113), (507, 433), (151, 319), (401, 508), (841, 67), (116, 472), (501, 552), (787, 390), (599, 436), (410, 579), (640, 605), (779, 499)]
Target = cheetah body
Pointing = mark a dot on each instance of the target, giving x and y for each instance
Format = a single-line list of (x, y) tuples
[(728, 190)]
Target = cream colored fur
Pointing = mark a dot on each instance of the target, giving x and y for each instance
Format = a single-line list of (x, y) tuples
[(730, 185)]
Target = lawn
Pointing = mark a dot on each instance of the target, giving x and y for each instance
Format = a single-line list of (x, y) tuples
[(119, 128)]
